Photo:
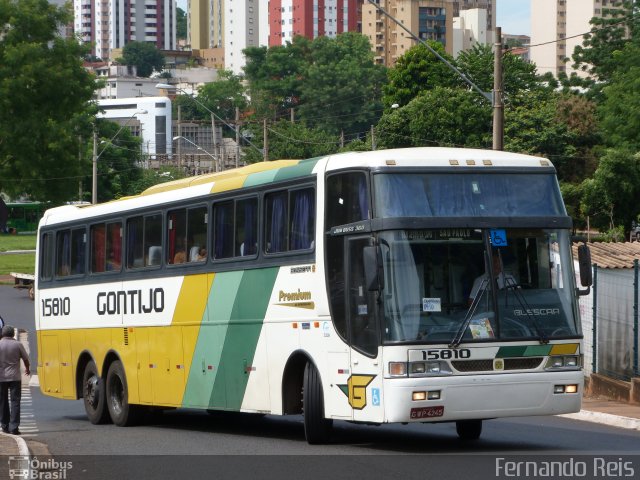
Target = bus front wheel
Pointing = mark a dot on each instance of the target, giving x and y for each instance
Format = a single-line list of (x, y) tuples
[(122, 413), (317, 428), (93, 395), (469, 429)]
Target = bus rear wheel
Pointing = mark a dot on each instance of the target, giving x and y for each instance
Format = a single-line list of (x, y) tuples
[(93, 395), (469, 429), (121, 412), (317, 428)]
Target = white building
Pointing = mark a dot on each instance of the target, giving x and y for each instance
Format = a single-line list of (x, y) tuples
[(148, 117), (110, 24), (553, 22), (246, 24), (469, 29)]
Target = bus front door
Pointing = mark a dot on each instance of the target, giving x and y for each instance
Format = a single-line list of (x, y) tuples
[(365, 381)]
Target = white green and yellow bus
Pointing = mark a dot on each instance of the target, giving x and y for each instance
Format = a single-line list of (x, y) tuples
[(409, 285)]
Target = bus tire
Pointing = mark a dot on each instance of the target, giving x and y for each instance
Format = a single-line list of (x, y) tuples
[(317, 428), (469, 429), (93, 395), (121, 412)]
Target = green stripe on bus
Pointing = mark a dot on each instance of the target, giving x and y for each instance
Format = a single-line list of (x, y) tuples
[(205, 365), (305, 167), (505, 352), (249, 309), (537, 350), (260, 178)]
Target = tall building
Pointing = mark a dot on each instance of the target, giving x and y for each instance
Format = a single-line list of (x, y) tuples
[(111, 24), (205, 24), (553, 22), (429, 19), (311, 18), (245, 25), (469, 29), (488, 5)]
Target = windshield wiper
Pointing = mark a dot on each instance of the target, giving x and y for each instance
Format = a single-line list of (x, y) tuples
[(457, 339)]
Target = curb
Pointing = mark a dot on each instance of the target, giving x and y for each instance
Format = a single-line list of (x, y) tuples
[(605, 419), (23, 450)]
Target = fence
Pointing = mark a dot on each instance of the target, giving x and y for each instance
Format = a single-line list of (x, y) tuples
[(611, 341)]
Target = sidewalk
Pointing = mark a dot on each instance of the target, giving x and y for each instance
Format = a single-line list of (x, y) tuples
[(608, 412)]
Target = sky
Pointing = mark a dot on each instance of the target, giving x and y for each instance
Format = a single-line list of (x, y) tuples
[(514, 16)]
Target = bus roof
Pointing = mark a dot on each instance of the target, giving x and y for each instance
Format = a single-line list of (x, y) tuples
[(278, 170)]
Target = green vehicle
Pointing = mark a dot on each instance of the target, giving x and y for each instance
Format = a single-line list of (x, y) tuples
[(23, 217)]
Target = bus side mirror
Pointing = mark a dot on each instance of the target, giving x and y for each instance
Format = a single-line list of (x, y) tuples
[(372, 259), (584, 263)]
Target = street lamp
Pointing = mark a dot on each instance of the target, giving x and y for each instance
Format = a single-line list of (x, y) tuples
[(198, 147), (166, 86)]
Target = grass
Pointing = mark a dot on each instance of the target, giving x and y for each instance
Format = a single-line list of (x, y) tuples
[(17, 242), (22, 263)]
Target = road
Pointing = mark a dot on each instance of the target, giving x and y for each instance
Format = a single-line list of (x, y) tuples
[(248, 446)]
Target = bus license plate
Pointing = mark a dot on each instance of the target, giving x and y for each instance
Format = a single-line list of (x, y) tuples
[(427, 412)]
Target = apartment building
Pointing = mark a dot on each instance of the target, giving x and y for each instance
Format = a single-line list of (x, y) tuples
[(470, 29), (111, 24), (205, 24), (556, 28), (459, 6), (429, 19), (312, 18)]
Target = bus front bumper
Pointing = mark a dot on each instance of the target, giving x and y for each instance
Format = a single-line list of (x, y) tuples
[(481, 396)]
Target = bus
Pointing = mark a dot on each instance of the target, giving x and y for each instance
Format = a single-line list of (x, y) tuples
[(23, 217), (338, 287)]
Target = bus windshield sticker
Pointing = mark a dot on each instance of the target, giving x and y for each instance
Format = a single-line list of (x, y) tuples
[(362, 309), (431, 305), (481, 328), (498, 237)]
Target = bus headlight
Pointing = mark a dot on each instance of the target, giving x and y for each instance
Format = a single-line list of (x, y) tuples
[(419, 369), (564, 362), (398, 369)]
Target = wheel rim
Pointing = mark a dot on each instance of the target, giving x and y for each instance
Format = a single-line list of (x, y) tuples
[(91, 393), (117, 395)]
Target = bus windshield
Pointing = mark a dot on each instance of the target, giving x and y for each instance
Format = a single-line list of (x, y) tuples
[(449, 283), (467, 195)]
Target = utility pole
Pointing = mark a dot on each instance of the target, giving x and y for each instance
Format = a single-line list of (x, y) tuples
[(80, 163), (179, 135), (215, 144), (373, 139), (237, 137), (265, 150), (498, 104), (94, 176), (293, 116)]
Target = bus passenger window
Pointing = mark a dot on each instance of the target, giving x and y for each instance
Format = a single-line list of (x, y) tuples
[(276, 222), (223, 230), (302, 219), (246, 227)]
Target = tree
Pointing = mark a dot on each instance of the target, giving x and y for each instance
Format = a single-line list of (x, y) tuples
[(621, 101), (293, 141), (181, 24), (144, 56), (342, 88), (275, 75), (442, 116), (611, 195), (518, 75), (221, 97), (119, 161), (149, 178), (44, 101), (416, 71)]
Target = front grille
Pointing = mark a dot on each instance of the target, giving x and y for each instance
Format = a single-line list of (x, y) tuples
[(524, 363), (473, 365)]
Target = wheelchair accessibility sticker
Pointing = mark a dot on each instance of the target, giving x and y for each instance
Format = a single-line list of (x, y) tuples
[(375, 397), (498, 237)]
